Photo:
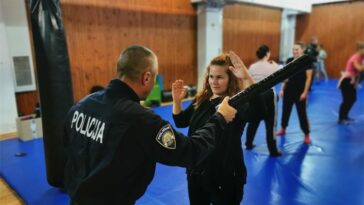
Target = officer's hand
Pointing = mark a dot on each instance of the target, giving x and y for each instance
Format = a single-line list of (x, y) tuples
[(226, 110), (178, 91)]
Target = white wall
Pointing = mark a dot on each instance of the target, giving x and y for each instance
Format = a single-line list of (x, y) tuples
[(8, 110), (288, 28), (14, 41), (17, 34)]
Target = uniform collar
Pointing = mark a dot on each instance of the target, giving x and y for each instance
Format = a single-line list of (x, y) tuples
[(118, 88)]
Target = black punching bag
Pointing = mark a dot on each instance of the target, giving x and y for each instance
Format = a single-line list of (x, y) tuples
[(54, 81)]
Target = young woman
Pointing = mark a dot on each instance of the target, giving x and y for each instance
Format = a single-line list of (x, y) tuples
[(220, 179), (264, 106), (349, 82), (294, 92)]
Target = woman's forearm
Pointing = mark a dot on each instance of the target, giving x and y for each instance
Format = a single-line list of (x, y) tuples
[(177, 107), (308, 81)]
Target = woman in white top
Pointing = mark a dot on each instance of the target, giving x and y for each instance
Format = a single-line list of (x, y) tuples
[(263, 107)]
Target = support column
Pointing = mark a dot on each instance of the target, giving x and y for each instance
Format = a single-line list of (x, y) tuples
[(209, 31), (288, 27)]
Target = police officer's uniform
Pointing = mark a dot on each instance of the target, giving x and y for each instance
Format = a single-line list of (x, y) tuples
[(112, 145)]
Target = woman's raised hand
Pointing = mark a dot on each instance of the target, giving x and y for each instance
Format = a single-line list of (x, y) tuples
[(238, 69), (178, 90)]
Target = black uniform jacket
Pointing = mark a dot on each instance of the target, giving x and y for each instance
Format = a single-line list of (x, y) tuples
[(295, 84), (112, 145), (226, 164)]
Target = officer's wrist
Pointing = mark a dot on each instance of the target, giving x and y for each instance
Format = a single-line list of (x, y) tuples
[(221, 119)]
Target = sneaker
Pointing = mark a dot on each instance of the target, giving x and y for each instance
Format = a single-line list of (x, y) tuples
[(281, 132), (307, 139), (250, 147), (275, 154)]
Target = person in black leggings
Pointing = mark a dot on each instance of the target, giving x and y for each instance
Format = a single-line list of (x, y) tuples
[(349, 82), (264, 106), (294, 92)]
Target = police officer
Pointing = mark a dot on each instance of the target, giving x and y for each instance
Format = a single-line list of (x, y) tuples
[(112, 143)]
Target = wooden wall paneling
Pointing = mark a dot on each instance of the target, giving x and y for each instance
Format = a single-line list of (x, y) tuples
[(97, 31), (338, 26), (26, 102), (246, 27), (181, 7), (96, 35)]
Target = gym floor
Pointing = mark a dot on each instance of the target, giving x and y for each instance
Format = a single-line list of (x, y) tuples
[(329, 171)]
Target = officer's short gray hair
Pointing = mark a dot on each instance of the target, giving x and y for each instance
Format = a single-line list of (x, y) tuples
[(134, 60)]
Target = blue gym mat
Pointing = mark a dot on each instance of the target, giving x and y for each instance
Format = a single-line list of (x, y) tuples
[(329, 171)]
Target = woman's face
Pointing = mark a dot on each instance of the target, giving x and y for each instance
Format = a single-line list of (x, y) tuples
[(218, 79), (297, 51)]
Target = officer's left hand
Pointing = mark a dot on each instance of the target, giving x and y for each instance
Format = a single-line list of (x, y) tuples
[(226, 110)]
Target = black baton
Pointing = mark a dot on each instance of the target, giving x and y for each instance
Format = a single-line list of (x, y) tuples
[(302, 63)]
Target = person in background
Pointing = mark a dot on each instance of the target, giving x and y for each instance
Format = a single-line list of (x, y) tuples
[(264, 106), (312, 51), (221, 178), (295, 92), (321, 58), (109, 159), (349, 81)]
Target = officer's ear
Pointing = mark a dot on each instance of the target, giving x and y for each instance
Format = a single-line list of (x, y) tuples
[(147, 77)]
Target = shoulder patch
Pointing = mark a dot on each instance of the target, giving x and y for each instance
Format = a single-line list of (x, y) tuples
[(166, 138)]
